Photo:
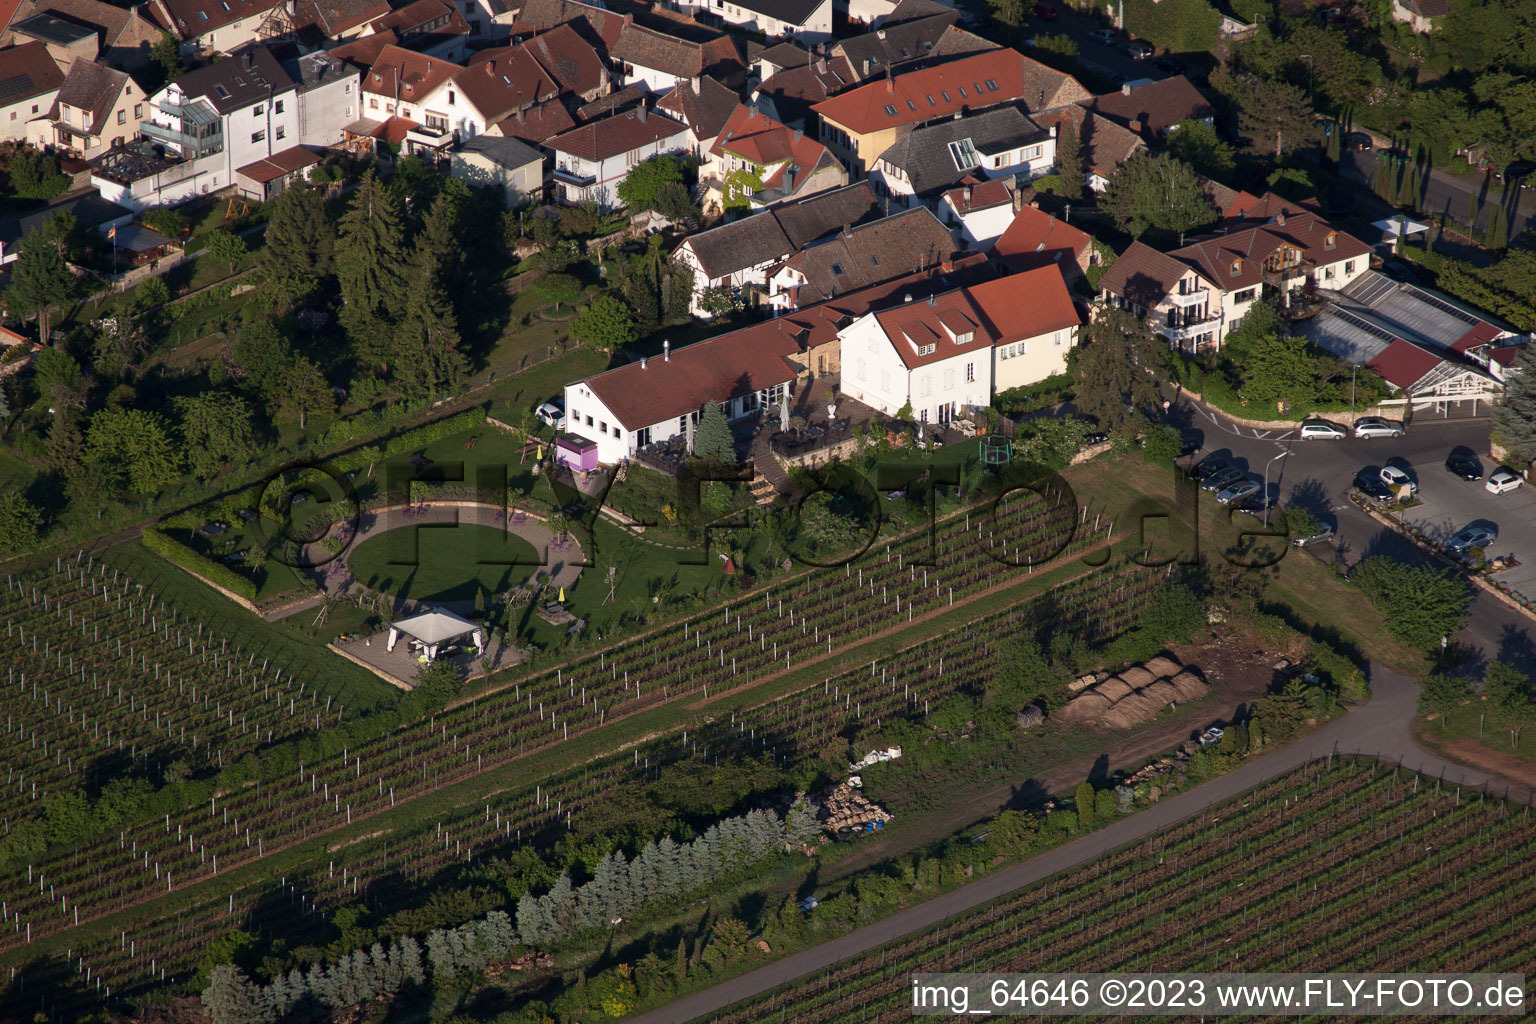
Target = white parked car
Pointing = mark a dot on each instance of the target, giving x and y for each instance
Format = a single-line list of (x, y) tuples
[(1324, 430), (1237, 491), (1375, 426), (1471, 537), (1503, 479), (1397, 480), (552, 414)]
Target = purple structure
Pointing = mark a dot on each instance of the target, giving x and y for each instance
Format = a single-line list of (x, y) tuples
[(576, 452)]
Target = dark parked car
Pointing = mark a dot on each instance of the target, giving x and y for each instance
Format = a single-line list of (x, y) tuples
[(1369, 483), (1464, 464), (1221, 480), (1256, 504), (1358, 140), (1169, 66), (1210, 466)]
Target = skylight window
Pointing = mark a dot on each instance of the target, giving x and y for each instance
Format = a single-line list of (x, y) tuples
[(963, 153), (991, 86), (962, 93), (203, 15), (837, 270), (223, 92), (890, 111), (225, 5), (931, 103), (912, 106), (945, 94)]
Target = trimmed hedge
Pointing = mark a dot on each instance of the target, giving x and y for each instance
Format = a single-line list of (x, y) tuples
[(177, 553)]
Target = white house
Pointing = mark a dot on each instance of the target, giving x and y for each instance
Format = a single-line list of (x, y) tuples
[(978, 212), (990, 144), (653, 400), (593, 160), (661, 60), (223, 26), (32, 84), (946, 356), (1196, 295), (809, 21)]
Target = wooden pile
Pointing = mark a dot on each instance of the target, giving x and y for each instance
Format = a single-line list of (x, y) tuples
[(842, 805)]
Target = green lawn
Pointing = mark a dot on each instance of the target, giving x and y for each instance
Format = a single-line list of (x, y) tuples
[(449, 564)]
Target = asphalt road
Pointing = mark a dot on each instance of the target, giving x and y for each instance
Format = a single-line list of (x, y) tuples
[(1380, 727), (1318, 475), (1451, 194)]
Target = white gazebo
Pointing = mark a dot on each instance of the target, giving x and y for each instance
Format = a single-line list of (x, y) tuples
[(431, 630)]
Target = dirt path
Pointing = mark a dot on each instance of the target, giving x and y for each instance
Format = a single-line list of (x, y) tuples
[(1464, 751)]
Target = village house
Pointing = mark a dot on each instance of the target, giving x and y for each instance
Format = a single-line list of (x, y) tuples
[(1420, 14), (662, 59), (410, 100), (1154, 109), (747, 372), (928, 162), (1036, 239), (591, 161), (96, 108), (859, 256), (862, 123), (808, 21), (124, 35), (756, 162), (1196, 295), (510, 164), (704, 105), (1103, 144), (88, 208), (223, 26), (432, 27), (791, 93), (946, 356), (339, 21), (31, 84), (738, 255), (979, 211), (64, 40), (894, 45)]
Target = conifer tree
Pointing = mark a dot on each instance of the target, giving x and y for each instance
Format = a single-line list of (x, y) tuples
[(370, 258), (297, 254), (230, 998), (1514, 416), (426, 352), (713, 441), (1069, 161)]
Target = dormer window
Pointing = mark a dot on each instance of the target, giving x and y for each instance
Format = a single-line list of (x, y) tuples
[(1328, 243), (926, 350), (1237, 267), (965, 337)]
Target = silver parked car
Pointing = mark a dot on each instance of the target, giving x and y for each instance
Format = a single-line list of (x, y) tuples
[(1375, 426), (1237, 491)]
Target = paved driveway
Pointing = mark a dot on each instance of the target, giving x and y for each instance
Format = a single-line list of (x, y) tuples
[(1318, 474), (1451, 503)]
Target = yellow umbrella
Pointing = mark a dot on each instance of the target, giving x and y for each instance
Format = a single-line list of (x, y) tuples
[(540, 455), (562, 595)]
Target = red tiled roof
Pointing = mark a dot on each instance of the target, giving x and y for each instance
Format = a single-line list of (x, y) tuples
[(504, 80), (593, 22), (365, 51), (292, 159), (418, 75), (754, 136), (29, 71), (970, 83), (1155, 107), (983, 195), (1246, 249), (1505, 355), (1035, 238), (537, 124), (1403, 364), (618, 133), (938, 321), (333, 17), (420, 12), (1025, 305), (1482, 334), (568, 59), (191, 18)]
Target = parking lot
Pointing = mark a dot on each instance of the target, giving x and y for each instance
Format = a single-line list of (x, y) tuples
[(1318, 475)]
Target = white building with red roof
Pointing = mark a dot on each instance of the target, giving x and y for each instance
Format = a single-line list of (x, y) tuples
[(946, 356), (591, 161), (756, 161)]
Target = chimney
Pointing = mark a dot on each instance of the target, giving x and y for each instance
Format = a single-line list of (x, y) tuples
[(1280, 218), (907, 297), (695, 85), (641, 112), (1053, 131), (967, 197), (789, 180), (799, 134), (666, 351), (490, 68), (880, 35), (890, 80), (947, 265), (429, 67), (933, 300), (1125, 89), (1135, 127), (866, 67), (520, 116), (642, 362), (1018, 200)]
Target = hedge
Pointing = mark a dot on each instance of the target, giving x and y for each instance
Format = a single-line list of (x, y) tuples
[(177, 553)]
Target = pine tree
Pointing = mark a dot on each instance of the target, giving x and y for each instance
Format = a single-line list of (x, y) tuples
[(1514, 416), (560, 905), (370, 259), (1069, 161), (230, 998), (714, 442), (680, 971), (426, 354), (40, 282), (800, 826), (1084, 797), (300, 241), (408, 952), (533, 926), (440, 954)]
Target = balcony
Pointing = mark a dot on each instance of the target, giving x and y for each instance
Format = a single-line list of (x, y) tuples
[(1195, 298), (190, 146), (567, 176), (1189, 327), (1282, 277)]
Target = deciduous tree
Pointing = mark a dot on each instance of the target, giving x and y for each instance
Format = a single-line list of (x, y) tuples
[(1114, 370), (227, 247), (605, 324), (304, 391), (215, 428), (1157, 192), (132, 450), (1420, 603), (1273, 116), (641, 188), (19, 522)]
